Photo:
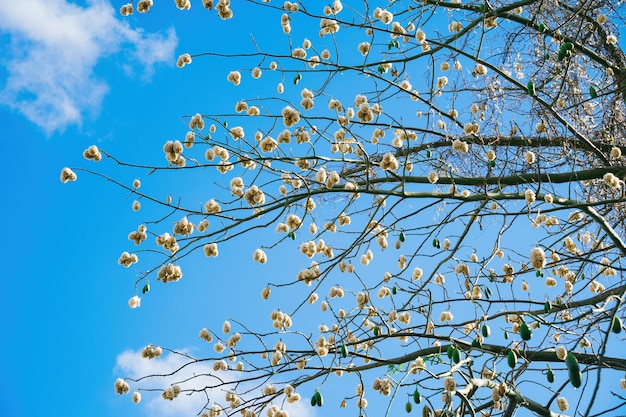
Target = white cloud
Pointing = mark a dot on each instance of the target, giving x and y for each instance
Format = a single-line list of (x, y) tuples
[(130, 364), (54, 48)]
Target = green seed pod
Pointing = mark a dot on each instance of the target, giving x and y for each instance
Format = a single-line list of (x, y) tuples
[(394, 290), (344, 351), (376, 330), (485, 330), (145, 288), (530, 88), (525, 332), (476, 343), (616, 326), (512, 359), (436, 243), (314, 398), (546, 307), (449, 351), (320, 399), (592, 92), (541, 28), (550, 375), (573, 369), (417, 397), (408, 407), (456, 355), (401, 237), (506, 335)]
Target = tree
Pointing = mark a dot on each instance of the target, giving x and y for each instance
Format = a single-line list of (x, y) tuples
[(447, 180)]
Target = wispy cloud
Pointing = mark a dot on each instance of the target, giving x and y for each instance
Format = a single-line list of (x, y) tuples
[(130, 364), (53, 49)]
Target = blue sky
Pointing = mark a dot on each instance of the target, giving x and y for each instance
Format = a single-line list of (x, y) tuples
[(75, 74), (88, 77)]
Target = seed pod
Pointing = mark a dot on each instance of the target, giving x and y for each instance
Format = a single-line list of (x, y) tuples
[(616, 326), (456, 355), (417, 397), (449, 351), (408, 407), (592, 92), (525, 332), (550, 375), (485, 330), (376, 330), (401, 237), (344, 351), (547, 306), (512, 358), (314, 398), (426, 412), (530, 88), (573, 369), (320, 399)]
